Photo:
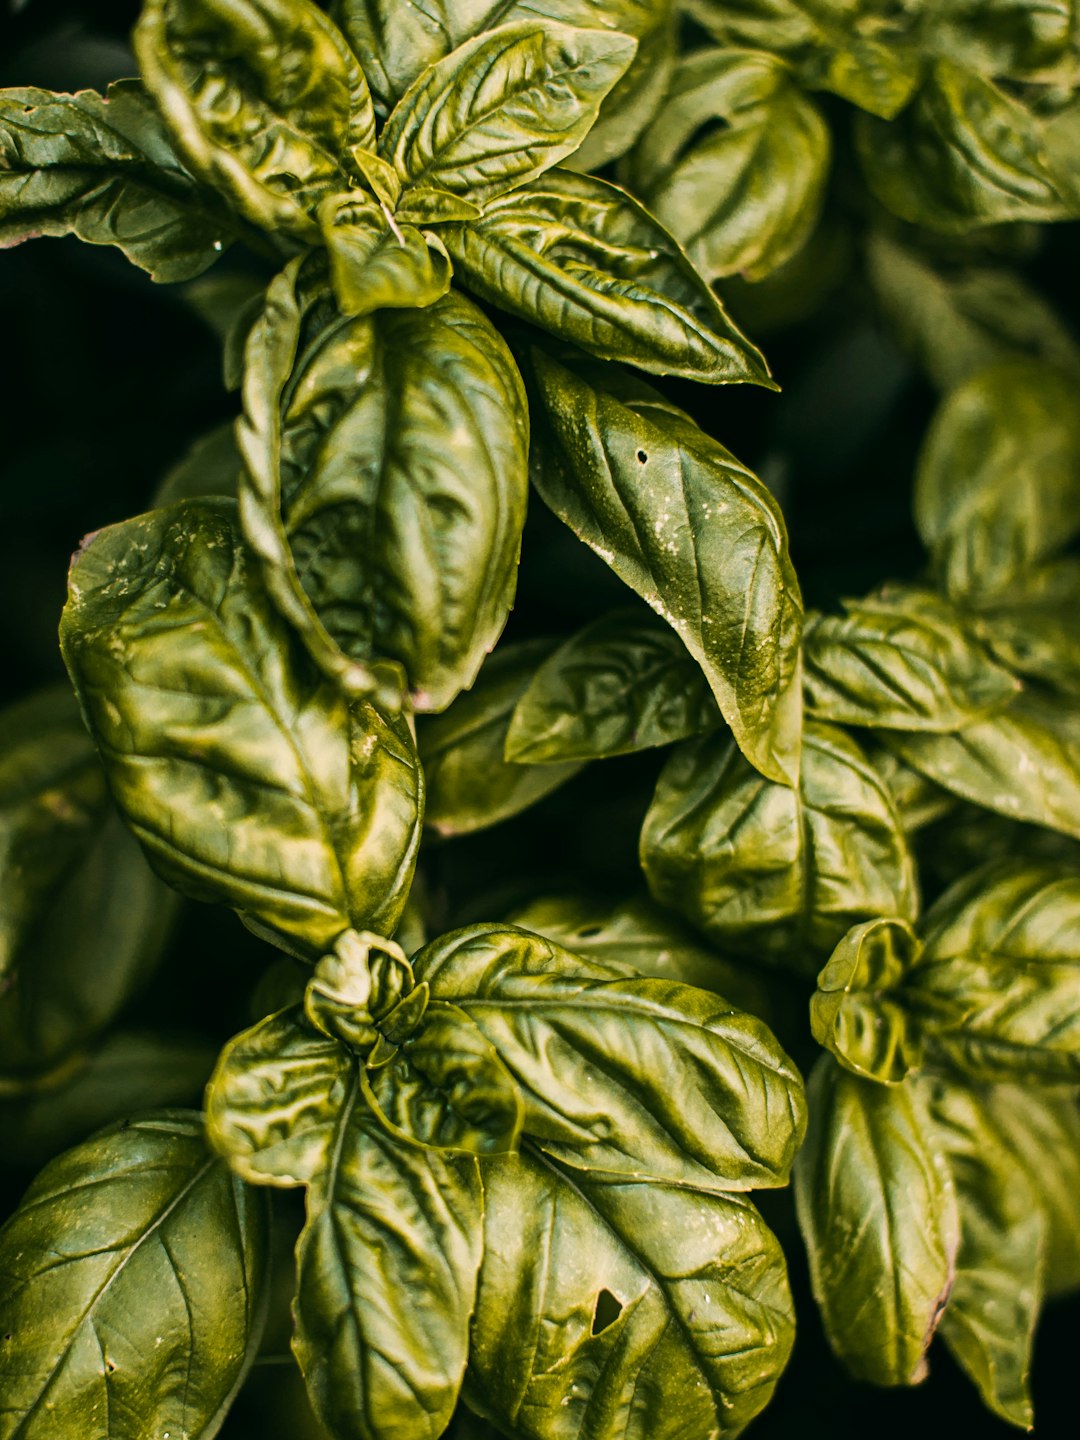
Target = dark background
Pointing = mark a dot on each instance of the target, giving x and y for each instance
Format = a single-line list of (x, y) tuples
[(104, 381)]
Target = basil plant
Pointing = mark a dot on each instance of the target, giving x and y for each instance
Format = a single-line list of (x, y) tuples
[(510, 1106)]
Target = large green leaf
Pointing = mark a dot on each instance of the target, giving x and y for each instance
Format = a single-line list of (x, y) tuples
[(999, 974), (770, 871), (263, 98), (625, 682), (623, 1075), (878, 1212), (742, 195), (998, 486), (504, 107), (1023, 762), (1034, 627), (103, 168), (994, 1302), (846, 46), (586, 262), (695, 534), (386, 1282), (901, 659), (673, 1311), (248, 778), (854, 1013), (132, 1287), (386, 480), (963, 155), (470, 784)]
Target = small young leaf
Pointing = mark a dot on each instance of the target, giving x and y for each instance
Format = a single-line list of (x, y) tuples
[(102, 168), (773, 872), (372, 268), (877, 1209), (585, 261), (852, 1012), (624, 683), (901, 659), (470, 783), (135, 1283), (623, 1075), (697, 536), (742, 197), (503, 108), (247, 778)]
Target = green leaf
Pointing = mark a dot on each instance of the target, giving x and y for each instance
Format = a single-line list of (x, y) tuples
[(640, 936), (963, 155), (263, 98), (386, 1282), (623, 1075), (470, 785), (998, 485), (901, 658), (955, 322), (989, 1324), (773, 872), (103, 168), (853, 1013), (999, 974), (877, 1209), (919, 802), (587, 263), (673, 1311), (1034, 627), (247, 778), (737, 169), (632, 104), (211, 467), (134, 1285), (1023, 762), (130, 1071), (624, 683), (697, 536), (386, 482), (372, 268), (1015, 38), (504, 107), (845, 46)]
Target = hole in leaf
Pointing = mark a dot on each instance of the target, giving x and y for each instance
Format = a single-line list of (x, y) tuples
[(642, 456), (110, 1366), (608, 1309)]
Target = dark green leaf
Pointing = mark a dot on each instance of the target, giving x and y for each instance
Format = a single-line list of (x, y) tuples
[(741, 196), (673, 1311), (853, 1014), (247, 778), (1034, 627), (386, 481), (211, 467), (1023, 762), (373, 268), (504, 107), (697, 536), (103, 168), (626, 682), (133, 1287), (585, 261), (901, 658), (999, 975), (877, 1210), (387, 1266), (624, 1075), (989, 1324), (963, 155), (469, 783), (770, 871), (998, 486), (263, 98)]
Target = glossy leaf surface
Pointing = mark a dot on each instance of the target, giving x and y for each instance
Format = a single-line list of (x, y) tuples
[(742, 196), (248, 779), (103, 168), (878, 1212), (373, 269), (134, 1284), (853, 1013), (696, 535), (773, 872), (623, 1075), (585, 261), (674, 1312)]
